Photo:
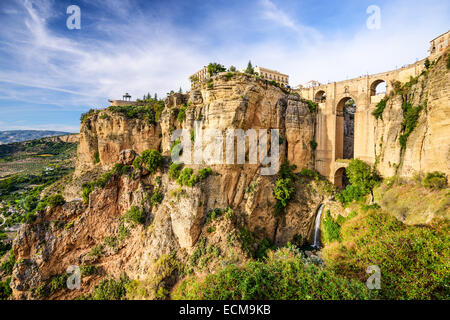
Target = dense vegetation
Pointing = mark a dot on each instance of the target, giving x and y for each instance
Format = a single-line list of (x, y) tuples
[(379, 108), (435, 180), (284, 187), (413, 259), (285, 274), (150, 159), (362, 181), (410, 117)]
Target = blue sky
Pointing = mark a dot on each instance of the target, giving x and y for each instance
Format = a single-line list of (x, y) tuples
[(49, 74)]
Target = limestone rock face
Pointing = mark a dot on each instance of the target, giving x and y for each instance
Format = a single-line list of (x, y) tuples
[(186, 216), (428, 146), (68, 234), (105, 134), (299, 133), (127, 156)]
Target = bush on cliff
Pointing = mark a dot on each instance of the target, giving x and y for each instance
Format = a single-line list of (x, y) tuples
[(284, 275), (135, 215), (146, 112), (174, 170), (55, 200), (284, 187), (362, 181), (410, 118), (151, 159), (379, 108), (413, 259), (187, 177), (435, 180)]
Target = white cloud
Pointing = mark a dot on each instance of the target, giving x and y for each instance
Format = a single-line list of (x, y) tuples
[(277, 16), (152, 55)]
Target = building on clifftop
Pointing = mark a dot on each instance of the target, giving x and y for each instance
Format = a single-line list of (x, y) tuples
[(126, 101)]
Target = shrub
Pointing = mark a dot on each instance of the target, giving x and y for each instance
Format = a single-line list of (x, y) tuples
[(87, 270), (361, 175), (311, 105), (246, 239), (157, 197), (413, 259), (5, 289), (135, 215), (8, 265), (174, 170), (96, 157), (199, 251), (331, 228), (187, 177), (427, 63), (87, 190), (448, 61), (182, 114), (120, 169), (379, 108), (284, 276), (349, 194), (204, 173), (149, 112), (96, 251), (111, 241), (100, 182), (55, 200), (435, 180), (263, 246), (410, 117), (152, 160), (57, 283), (284, 187), (305, 172), (216, 213), (251, 188), (111, 289), (85, 116), (313, 144)]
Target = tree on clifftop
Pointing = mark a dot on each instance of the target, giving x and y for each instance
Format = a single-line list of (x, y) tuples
[(215, 68), (250, 68)]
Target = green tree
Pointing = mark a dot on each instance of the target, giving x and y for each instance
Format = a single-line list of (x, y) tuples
[(214, 68), (250, 69), (361, 175), (427, 63)]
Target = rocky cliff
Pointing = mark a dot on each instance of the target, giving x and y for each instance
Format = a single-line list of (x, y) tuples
[(221, 219), (422, 105)]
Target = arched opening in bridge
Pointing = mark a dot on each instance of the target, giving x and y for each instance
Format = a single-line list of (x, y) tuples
[(378, 87), (320, 96), (341, 179), (345, 127)]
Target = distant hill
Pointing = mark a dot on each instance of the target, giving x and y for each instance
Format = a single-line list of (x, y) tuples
[(23, 135)]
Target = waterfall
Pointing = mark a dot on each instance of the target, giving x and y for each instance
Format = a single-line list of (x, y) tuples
[(316, 243)]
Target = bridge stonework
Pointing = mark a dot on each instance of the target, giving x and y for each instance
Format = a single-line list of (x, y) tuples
[(330, 120)]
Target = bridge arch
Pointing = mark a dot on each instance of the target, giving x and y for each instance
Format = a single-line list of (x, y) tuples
[(340, 178), (320, 96), (378, 86), (345, 124)]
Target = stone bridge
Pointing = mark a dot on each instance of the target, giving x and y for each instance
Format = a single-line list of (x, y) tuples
[(331, 98)]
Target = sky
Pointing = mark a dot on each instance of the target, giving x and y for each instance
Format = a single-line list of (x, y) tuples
[(50, 74)]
